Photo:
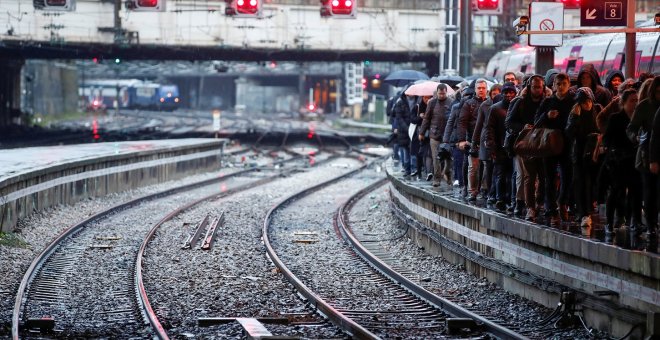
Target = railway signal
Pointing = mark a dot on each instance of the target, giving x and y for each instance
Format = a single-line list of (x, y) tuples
[(487, 7), (570, 4), (341, 9), (243, 8), (55, 5), (146, 5)]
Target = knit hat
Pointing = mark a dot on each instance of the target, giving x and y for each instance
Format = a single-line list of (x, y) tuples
[(508, 86), (584, 93)]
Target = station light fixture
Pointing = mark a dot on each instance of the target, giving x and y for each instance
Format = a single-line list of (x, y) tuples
[(55, 5), (244, 8), (487, 7), (146, 5), (570, 4)]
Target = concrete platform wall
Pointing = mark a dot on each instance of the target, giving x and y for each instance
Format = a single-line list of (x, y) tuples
[(69, 183), (532, 261)]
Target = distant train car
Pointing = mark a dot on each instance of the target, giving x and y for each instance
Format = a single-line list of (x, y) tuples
[(604, 51), (129, 94)]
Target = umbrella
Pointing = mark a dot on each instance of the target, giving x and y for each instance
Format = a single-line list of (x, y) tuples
[(449, 80), (403, 77), (427, 88)]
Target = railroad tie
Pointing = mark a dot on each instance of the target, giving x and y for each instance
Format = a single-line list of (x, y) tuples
[(253, 327)]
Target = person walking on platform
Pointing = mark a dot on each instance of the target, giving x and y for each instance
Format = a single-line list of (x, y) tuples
[(420, 147), (435, 121), (486, 162), (553, 114), (402, 120), (619, 163), (494, 136), (582, 135), (640, 132), (466, 124), (521, 116), (450, 137)]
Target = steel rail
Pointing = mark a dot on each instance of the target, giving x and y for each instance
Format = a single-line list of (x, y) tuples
[(340, 320), (393, 275), (139, 284), (55, 244)]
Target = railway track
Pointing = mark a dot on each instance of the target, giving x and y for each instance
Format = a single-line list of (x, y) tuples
[(367, 299), (53, 297)]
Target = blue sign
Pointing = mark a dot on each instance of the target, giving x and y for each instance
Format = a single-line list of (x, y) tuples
[(603, 13)]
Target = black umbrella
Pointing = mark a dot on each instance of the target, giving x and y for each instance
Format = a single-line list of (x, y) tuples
[(449, 80), (403, 77)]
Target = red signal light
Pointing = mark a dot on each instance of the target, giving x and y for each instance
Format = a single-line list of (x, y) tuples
[(487, 4), (311, 107), (247, 6), (342, 7), (147, 3)]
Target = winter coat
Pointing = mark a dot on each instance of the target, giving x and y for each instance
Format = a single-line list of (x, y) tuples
[(564, 106), (578, 129), (615, 134), (479, 128), (602, 95), (435, 119), (495, 130), (654, 148), (402, 120), (417, 120), (450, 129), (521, 112), (467, 119), (642, 120)]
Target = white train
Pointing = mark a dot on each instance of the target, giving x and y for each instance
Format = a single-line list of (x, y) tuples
[(604, 51)]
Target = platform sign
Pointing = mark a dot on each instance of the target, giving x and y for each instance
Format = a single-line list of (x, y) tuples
[(546, 16), (603, 13)]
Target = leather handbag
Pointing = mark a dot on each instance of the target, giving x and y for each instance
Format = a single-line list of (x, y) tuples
[(539, 142)]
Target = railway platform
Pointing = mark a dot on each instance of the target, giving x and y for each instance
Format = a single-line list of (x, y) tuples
[(33, 179), (612, 288)]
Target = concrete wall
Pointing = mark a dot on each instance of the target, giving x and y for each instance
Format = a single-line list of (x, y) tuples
[(51, 87), (117, 180)]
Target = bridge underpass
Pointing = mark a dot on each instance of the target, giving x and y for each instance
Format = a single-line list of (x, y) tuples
[(416, 31)]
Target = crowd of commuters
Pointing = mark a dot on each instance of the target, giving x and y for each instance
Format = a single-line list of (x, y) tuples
[(610, 154)]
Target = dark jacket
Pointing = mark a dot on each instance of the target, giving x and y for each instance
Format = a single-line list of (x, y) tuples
[(480, 128), (521, 112), (467, 119), (450, 129), (417, 120), (654, 148), (402, 121), (578, 129), (435, 119), (642, 121), (495, 130), (564, 106), (615, 134), (601, 94)]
